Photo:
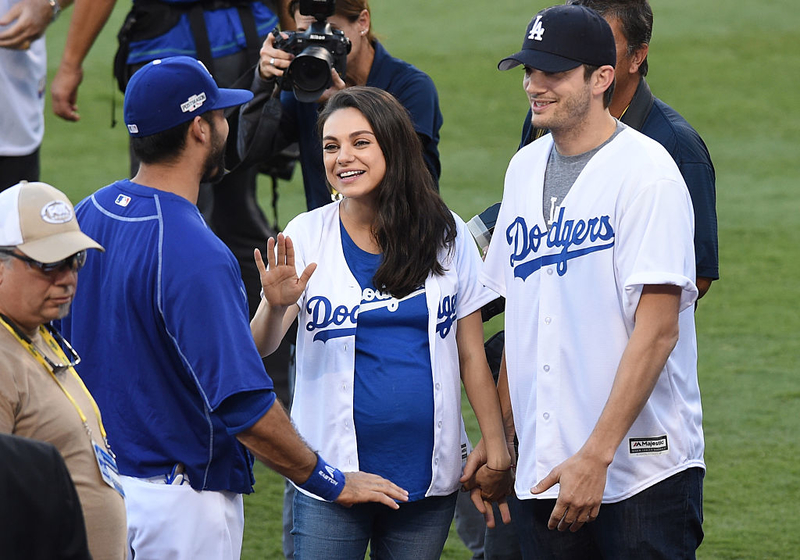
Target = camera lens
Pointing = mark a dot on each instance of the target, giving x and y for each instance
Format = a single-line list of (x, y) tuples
[(310, 73)]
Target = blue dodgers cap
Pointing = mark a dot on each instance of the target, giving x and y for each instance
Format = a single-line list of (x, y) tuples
[(171, 91), (561, 38)]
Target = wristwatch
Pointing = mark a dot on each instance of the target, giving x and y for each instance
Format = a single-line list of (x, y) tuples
[(56, 7)]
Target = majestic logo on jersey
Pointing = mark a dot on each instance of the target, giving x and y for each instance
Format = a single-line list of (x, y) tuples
[(648, 445), (537, 31), (575, 238), (446, 315)]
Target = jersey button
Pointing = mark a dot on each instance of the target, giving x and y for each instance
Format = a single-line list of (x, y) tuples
[(546, 416), (547, 320), (546, 367), (550, 271), (438, 386)]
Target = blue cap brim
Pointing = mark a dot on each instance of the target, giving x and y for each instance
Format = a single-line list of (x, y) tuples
[(232, 98)]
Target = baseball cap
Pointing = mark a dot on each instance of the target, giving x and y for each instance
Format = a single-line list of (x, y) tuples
[(561, 38), (39, 220), (170, 91)]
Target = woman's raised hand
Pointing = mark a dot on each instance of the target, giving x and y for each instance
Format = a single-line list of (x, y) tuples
[(279, 281)]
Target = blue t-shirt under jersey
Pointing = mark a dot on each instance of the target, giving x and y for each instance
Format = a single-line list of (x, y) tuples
[(393, 386)]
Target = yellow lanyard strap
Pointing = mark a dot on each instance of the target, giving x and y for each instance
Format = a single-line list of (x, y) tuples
[(48, 338)]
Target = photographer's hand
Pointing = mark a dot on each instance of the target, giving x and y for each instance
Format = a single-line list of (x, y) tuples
[(273, 62), (338, 83)]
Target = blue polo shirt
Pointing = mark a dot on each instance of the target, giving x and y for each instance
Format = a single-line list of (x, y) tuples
[(161, 322), (225, 34), (412, 87)]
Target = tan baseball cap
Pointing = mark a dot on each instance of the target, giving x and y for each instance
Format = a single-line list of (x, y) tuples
[(39, 220)]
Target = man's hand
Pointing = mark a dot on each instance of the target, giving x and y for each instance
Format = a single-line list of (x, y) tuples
[(582, 479), (30, 18), (280, 282), (487, 486), (361, 487), (64, 91)]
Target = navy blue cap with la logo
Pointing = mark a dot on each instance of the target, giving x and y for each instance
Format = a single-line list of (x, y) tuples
[(561, 38)]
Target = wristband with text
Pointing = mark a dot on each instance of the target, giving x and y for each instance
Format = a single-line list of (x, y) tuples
[(326, 481)]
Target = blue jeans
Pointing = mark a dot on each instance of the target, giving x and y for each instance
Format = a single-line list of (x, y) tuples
[(502, 542), (417, 531), (664, 521)]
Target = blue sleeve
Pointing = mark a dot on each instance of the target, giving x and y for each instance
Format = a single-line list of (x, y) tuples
[(699, 179), (418, 94), (241, 411), (204, 308)]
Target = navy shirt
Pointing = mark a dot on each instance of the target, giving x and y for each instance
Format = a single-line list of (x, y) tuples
[(413, 89), (161, 322), (654, 118)]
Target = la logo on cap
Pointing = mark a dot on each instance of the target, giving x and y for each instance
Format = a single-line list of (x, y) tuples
[(537, 31), (57, 212)]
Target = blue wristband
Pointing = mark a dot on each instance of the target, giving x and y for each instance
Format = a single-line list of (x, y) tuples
[(326, 482)]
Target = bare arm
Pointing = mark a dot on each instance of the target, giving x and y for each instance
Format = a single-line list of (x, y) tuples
[(488, 470), (88, 19), (27, 21), (703, 284), (282, 288), (481, 391), (582, 477), (275, 442)]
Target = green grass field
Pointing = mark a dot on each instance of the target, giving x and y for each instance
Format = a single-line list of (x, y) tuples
[(731, 69)]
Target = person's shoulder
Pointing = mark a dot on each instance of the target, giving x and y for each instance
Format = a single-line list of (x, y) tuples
[(640, 151), (314, 220), (669, 128), (529, 153), (12, 353), (122, 199), (398, 73)]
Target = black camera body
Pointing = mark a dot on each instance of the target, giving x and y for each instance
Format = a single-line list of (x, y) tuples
[(316, 51)]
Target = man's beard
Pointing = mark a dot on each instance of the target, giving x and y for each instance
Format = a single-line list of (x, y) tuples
[(214, 168)]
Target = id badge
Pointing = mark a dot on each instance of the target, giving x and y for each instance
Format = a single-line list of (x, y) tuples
[(108, 468)]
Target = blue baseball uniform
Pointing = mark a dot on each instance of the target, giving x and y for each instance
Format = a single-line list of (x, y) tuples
[(161, 320)]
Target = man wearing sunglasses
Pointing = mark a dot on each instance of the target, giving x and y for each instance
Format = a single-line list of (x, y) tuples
[(41, 396)]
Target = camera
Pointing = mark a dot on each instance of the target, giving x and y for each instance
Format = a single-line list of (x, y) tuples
[(316, 50)]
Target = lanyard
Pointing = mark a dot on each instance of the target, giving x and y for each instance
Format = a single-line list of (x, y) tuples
[(36, 353)]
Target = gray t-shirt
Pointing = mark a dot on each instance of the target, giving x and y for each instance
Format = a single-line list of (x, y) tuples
[(562, 172)]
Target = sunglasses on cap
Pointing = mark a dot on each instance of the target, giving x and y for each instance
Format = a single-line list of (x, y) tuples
[(73, 262)]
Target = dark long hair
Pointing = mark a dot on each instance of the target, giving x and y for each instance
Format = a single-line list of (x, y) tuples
[(413, 222)]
